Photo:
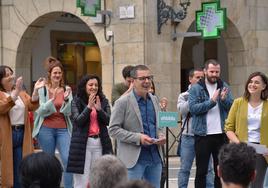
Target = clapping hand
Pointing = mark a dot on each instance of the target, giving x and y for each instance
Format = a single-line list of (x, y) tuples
[(91, 101), (98, 103), (216, 95), (18, 87), (19, 84), (94, 102), (224, 93), (67, 92), (39, 83)]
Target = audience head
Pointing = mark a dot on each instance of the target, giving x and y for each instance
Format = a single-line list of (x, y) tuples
[(54, 70), (6, 78), (135, 184), (257, 84), (126, 74), (212, 71), (237, 164), (107, 171), (195, 75), (40, 170), (89, 84)]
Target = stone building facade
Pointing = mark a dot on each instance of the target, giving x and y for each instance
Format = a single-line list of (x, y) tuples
[(136, 41)]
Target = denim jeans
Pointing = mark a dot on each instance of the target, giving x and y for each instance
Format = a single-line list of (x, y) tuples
[(265, 184), (146, 170), (17, 139), (187, 153), (50, 139)]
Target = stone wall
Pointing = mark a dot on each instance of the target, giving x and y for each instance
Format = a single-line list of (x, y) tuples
[(136, 40)]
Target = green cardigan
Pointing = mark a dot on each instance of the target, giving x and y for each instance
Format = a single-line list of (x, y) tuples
[(237, 121), (46, 108)]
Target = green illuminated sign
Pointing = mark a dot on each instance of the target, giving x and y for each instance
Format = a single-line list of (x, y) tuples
[(210, 20), (89, 7)]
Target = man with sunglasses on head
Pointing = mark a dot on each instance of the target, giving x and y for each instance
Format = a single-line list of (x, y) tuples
[(134, 124)]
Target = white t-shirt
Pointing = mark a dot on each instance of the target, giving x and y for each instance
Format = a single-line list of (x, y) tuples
[(254, 123), (17, 112), (213, 115)]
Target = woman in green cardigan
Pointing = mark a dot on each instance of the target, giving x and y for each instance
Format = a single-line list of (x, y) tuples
[(52, 125), (248, 120)]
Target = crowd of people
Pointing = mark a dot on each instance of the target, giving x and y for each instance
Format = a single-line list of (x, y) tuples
[(80, 128)]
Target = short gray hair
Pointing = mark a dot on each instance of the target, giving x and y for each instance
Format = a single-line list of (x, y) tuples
[(133, 72), (107, 171)]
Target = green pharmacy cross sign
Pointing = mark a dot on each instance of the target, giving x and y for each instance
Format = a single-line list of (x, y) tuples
[(89, 7), (211, 20)]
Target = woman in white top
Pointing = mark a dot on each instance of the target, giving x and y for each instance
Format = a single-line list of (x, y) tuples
[(248, 121), (16, 140)]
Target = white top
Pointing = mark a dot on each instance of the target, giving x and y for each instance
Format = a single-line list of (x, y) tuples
[(17, 112), (183, 108), (254, 123), (213, 115)]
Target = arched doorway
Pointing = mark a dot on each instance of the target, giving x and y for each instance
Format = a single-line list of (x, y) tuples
[(195, 51), (64, 36)]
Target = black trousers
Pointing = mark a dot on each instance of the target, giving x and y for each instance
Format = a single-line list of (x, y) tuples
[(205, 146)]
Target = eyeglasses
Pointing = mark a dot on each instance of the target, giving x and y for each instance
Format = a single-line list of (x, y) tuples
[(143, 78)]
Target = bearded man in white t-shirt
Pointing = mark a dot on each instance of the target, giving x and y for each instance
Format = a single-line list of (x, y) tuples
[(209, 101)]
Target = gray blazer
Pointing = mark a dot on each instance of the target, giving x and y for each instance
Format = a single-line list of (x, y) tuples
[(126, 126)]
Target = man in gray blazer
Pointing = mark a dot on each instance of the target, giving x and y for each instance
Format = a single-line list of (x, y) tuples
[(133, 123)]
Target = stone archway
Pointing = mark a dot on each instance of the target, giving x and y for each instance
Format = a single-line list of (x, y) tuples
[(27, 18), (234, 54), (234, 42), (195, 51)]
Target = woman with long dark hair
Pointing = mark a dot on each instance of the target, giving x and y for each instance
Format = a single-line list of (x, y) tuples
[(247, 120), (90, 138), (16, 140)]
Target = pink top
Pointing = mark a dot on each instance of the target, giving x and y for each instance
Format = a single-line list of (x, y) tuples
[(94, 128), (56, 120)]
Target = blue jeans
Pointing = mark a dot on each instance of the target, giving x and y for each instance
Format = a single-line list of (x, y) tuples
[(50, 139), (17, 139), (187, 153), (265, 184), (146, 170)]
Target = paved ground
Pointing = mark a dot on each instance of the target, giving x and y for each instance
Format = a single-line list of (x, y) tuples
[(173, 173)]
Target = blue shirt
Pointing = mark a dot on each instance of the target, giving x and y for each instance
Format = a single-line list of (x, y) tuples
[(148, 153)]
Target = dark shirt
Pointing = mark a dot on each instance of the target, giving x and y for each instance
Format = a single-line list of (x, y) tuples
[(118, 90), (148, 153)]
